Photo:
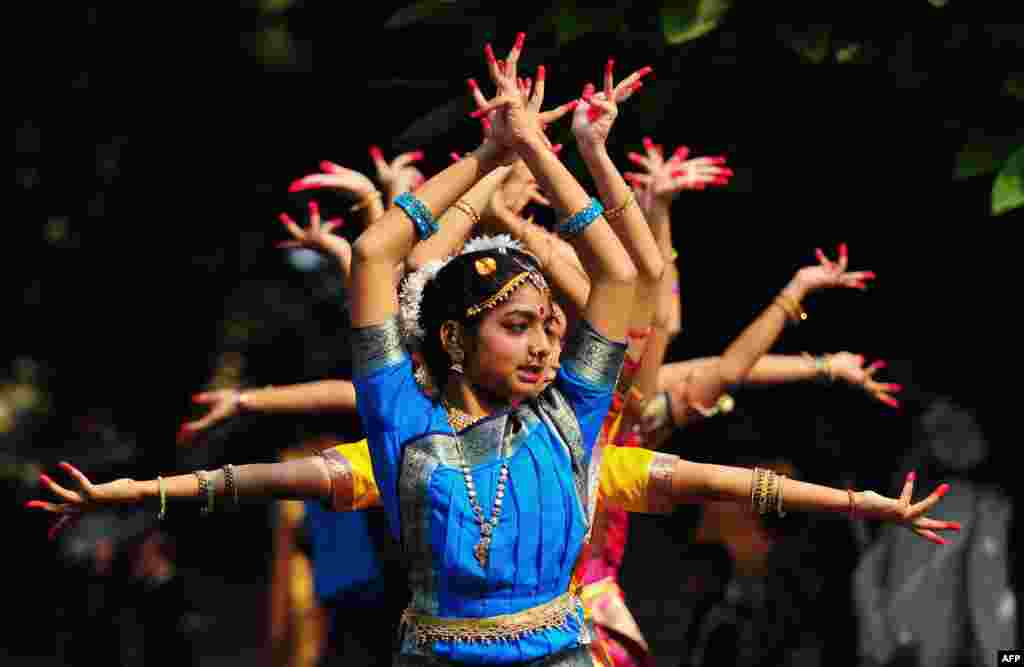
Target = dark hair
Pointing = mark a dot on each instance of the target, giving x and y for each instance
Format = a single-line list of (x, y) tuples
[(467, 280)]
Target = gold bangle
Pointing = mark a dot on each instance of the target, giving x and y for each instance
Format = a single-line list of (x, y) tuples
[(778, 503), (853, 504), (792, 308), (468, 209), (204, 491), (163, 498), (365, 201), (614, 213)]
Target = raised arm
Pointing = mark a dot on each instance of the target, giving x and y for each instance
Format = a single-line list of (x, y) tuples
[(457, 223), (592, 123)]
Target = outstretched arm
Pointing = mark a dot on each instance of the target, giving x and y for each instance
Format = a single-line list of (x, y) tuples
[(703, 482), (300, 479)]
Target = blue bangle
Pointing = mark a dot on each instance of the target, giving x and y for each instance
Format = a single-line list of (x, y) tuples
[(420, 215), (580, 220)]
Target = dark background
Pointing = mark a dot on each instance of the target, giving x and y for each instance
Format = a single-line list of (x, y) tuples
[(154, 148)]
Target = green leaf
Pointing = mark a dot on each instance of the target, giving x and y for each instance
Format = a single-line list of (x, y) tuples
[(812, 42), (984, 153), (686, 20), (421, 10), (1008, 190)]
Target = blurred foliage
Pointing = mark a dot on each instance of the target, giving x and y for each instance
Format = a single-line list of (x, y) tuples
[(1008, 191)]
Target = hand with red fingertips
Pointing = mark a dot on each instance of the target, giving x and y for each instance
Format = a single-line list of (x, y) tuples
[(335, 177), (318, 236), (514, 114), (827, 274), (850, 369), (906, 513), (665, 179), (87, 497), (222, 403)]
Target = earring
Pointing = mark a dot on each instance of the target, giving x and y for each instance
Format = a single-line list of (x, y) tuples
[(456, 366)]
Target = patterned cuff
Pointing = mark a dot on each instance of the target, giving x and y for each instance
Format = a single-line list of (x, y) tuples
[(340, 471), (375, 347), (580, 220), (420, 215), (659, 483), (594, 358)]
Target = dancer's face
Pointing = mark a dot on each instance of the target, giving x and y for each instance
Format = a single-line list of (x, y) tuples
[(513, 351)]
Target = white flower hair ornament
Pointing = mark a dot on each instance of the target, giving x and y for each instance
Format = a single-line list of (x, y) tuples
[(410, 298)]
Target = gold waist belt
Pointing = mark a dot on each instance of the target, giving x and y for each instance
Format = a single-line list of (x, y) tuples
[(504, 627)]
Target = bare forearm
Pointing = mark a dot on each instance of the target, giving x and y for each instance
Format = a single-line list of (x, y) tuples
[(301, 479), (387, 242), (755, 340), (321, 396), (704, 482), (630, 225), (456, 224)]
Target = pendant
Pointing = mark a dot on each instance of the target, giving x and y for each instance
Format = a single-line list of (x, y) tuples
[(482, 551)]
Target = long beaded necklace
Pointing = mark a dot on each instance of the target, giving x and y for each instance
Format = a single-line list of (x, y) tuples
[(459, 420)]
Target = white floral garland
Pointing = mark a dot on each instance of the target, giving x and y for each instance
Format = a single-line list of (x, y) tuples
[(410, 298)]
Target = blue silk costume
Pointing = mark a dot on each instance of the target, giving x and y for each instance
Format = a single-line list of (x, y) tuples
[(549, 443)]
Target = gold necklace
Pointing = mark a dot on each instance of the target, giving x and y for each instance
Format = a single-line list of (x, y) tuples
[(459, 419)]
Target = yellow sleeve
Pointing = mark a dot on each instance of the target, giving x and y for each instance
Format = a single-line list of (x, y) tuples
[(636, 479), (353, 487)]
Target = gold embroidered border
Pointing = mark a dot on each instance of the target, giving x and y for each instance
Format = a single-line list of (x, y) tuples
[(504, 627), (499, 296), (340, 471), (659, 483)]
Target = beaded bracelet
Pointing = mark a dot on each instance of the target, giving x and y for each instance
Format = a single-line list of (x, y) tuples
[(582, 219), (163, 498), (204, 490), (467, 208), (230, 488), (418, 212)]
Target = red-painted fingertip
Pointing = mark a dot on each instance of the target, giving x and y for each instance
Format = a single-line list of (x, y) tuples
[(285, 218), (376, 153), (479, 113), (520, 40), (314, 208), (486, 123), (298, 185), (911, 476), (681, 152), (891, 402), (572, 105), (472, 84), (608, 66), (843, 254), (941, 540), (335, 223), (869, 275), (416, 156), (541, 73), (896, 388), (330, 167), (556, 149), (35, 504), (880, 364), (953, 525), (637, 85), (718, 159), (45, 480), (184, 433), (942, 490), (648, 144), (489, 53), (720, 180), (454, 156), (644, 71)]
